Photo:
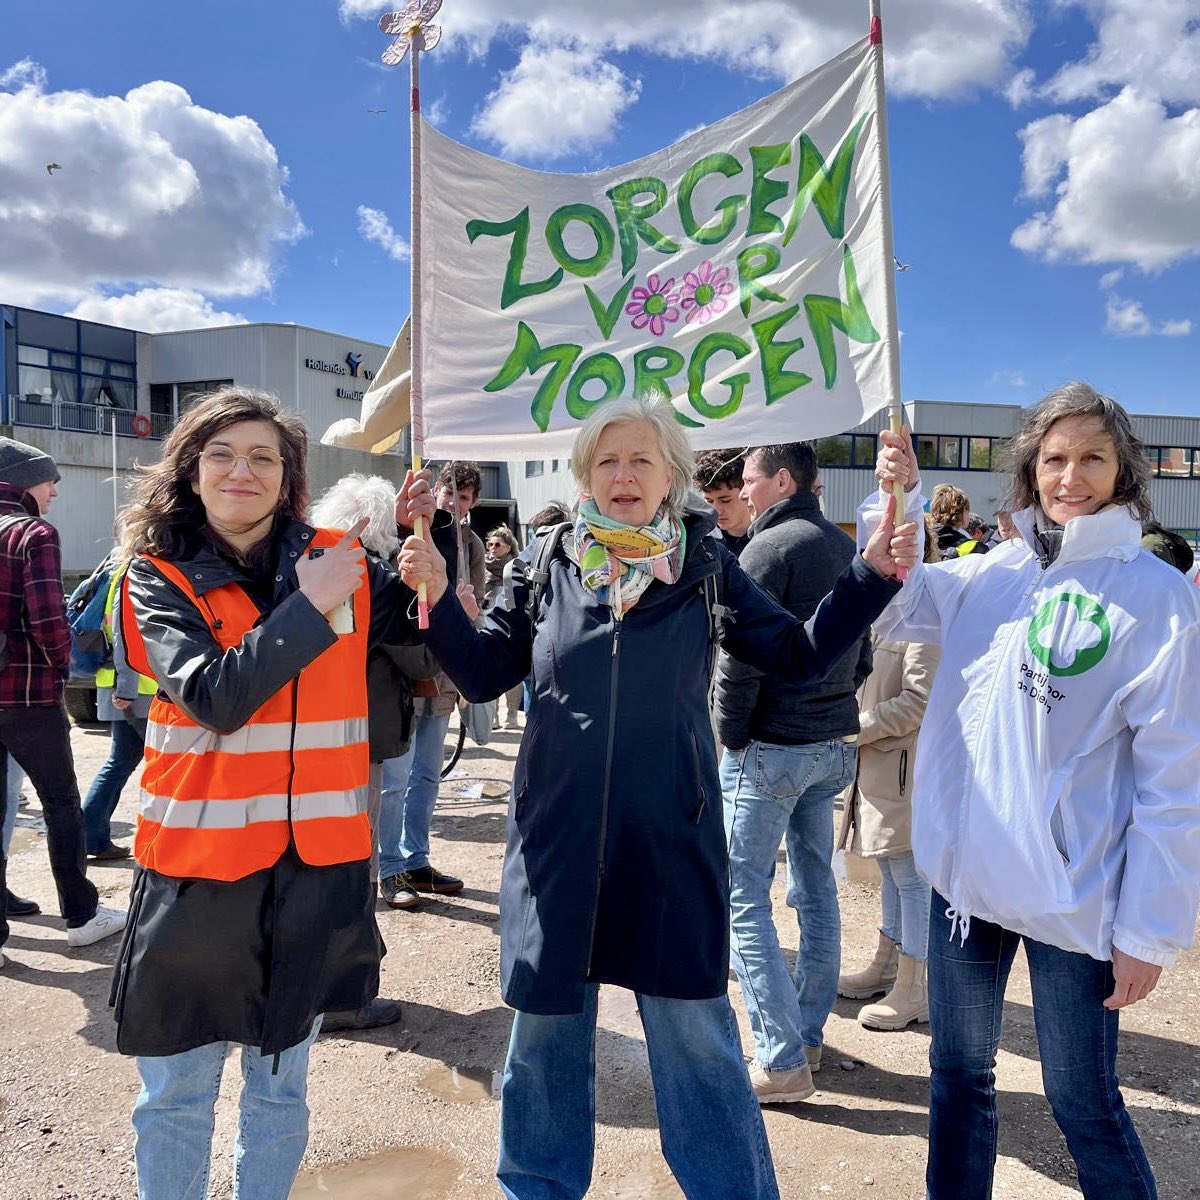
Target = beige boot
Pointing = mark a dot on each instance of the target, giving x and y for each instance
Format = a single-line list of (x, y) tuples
[(904, 1004), (877, 978)]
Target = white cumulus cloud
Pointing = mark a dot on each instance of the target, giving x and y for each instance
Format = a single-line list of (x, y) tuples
[(557, 100), (1125, 184), (155, 310), (1152, 43), (1127, 318), (25, 73), (374, 225), (935, 47), (154, 191)]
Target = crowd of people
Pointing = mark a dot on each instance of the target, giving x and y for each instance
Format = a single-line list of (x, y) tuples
[(1000, 711)]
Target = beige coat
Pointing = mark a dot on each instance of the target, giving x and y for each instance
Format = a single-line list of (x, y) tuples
[(877, 813)]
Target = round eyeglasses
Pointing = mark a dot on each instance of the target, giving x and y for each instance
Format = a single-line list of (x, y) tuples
[(222, 460)]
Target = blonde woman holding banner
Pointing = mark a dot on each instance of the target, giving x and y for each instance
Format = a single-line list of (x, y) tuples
[(616, 869)]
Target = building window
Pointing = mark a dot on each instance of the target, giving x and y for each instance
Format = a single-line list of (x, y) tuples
[(197, 389), (162, 398), (979, 454), (835, 451), (864, 450), (554, 466), (1175, 462), (949, 449), (534, 468)]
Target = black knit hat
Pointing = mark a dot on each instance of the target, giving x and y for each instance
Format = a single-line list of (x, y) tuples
[(25, 466)]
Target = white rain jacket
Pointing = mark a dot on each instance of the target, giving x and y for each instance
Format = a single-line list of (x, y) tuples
[(1057, 785)]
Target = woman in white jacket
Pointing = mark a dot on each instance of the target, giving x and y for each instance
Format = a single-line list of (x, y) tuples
[(1055, 800)]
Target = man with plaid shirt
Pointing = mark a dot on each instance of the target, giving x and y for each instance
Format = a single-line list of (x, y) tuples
[(34, 663)]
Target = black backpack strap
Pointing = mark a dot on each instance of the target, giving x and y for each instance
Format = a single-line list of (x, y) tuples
[(537, 574), (718, 614)]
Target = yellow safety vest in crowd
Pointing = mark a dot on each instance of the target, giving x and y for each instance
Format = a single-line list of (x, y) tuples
[(106, 677)]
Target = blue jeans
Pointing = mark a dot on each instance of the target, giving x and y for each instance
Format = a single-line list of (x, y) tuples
[(1077, 1044), (905, 899), (709, 1121), (124, 754), (773, 793), (13, 778), (173, 1119), (410, 790)]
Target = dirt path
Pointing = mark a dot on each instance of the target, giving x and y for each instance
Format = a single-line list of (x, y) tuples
[(407, 1111)]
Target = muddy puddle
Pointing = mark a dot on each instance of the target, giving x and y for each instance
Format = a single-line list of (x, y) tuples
[(408, 1173), (646, 1181), (462, 1085)]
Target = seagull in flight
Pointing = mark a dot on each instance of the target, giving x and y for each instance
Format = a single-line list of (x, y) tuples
[(52, 167), (899, 265), (376, 110)]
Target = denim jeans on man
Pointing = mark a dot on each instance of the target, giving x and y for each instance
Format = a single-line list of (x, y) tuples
[(785, 794), (905, 904), (710, 1125), (13, 778), (410, 790), (124, 755), (1077, 1044), (173, 1118), (38, 737)]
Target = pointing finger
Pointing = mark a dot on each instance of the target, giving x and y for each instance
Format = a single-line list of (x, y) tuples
[(352, 534)]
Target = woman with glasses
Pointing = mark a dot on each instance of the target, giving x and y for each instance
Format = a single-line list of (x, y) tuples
[(252, 911)]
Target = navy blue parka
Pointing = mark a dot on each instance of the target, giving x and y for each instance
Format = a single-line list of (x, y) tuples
[(616, 867)]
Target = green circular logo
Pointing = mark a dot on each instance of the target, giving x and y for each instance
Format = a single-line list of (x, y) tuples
[(1082, 632)]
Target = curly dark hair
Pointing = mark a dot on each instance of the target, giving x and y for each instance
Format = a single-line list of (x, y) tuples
[(459, 476), (719, 468), (165, 507)]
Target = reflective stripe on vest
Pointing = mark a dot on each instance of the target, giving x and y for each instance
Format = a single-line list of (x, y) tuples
[(221, 806), (274, 736), (175, 812)]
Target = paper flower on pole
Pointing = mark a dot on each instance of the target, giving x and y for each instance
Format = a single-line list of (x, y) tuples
[(411, 29)]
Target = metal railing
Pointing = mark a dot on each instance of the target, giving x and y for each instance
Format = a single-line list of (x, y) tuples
[(86, 418)]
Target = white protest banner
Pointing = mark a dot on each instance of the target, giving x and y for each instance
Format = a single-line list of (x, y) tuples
[(742, 272)]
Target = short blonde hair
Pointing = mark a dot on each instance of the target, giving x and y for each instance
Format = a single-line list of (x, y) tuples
[(672, 441)]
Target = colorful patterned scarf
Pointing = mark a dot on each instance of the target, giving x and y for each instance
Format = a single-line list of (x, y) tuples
[(634, 555)]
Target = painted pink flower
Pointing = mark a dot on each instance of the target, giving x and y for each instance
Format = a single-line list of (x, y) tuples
[(653, 305), (703, 293)]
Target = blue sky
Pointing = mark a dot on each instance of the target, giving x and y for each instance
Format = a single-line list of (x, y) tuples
[(221, 161)]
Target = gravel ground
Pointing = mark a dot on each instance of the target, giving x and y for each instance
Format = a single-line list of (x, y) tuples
[(408, 1111)]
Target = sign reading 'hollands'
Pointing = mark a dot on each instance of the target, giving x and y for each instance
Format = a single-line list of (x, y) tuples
[(741, 272)]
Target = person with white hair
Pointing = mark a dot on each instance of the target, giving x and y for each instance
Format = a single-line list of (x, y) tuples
[(616, 869), (390, 672)]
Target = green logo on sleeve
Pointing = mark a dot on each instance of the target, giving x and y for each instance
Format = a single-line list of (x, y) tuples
[(1072, 639)]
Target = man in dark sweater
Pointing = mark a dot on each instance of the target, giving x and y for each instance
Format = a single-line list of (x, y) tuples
[(790, 749)]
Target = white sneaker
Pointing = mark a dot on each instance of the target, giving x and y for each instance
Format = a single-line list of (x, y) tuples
[(812, 1055), (105, 923)]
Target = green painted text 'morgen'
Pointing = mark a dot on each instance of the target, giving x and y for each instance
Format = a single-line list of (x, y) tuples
[(660, 369)]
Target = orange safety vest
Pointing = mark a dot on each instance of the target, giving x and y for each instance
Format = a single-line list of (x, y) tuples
[(222, 806)]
